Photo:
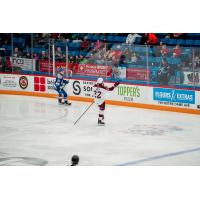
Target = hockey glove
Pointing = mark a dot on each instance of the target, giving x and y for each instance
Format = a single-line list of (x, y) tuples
[(116, 84)]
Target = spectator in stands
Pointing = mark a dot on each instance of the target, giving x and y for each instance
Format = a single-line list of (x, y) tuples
[(157, 49), (115, 72), (151, 39), (71, 63), (81, 58), (76, 61), (197, 62), (85, 60), (35, 56), (99, 57), (177, 51), (122, 60), (98, 44), (164, 50), (127, 53), (43, 55), (168, 35), (16, 52), (59, 55), (118, 52), (108, 55), (8, 65), (71, 59), (164, 73), (85, 44), (28, 55), (131, 38), (55, 35), (135, 58)]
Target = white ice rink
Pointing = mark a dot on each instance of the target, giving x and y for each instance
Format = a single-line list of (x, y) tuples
[(38, 131)]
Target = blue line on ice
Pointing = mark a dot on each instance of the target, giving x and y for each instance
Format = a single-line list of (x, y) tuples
[(159, 157)]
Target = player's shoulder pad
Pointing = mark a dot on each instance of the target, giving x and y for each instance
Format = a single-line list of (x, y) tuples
[(59, 76)]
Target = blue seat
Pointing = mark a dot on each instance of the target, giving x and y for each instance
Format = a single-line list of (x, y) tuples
[(95, 37), (70, 45), (123, 39), (61, 44), (138, 40), (181, 42), (7, 47), (83, 53), (77, 45), (102, 37), (116, 39), (37, 50), (172, 41), (170, 60), (89, 36), (197, 43), (176, 61), (110, 38), (189, 42), (165, 40), (158, 59), (150, 59)]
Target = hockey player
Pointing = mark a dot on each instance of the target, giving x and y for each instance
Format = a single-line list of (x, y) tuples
[(99, 95), (59, 85), (74, 160)]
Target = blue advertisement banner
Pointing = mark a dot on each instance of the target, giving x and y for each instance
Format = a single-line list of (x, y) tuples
[(173, 95)]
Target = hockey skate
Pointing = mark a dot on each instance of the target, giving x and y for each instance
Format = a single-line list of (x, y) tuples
[(67, 103), (60, 102), (101, 123)]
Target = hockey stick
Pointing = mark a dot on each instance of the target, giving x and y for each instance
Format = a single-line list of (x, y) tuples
[(83, 113)]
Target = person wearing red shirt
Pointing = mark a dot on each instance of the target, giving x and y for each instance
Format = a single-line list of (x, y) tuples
[(118, 52), (164, 50), (85, 44), (98, 44), (8, 64), (152, 39), (177, 51)]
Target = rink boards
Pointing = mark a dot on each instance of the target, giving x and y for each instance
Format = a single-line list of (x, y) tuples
[(159, 98)]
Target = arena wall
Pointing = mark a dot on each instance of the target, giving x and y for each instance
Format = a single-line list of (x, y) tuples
[(148, 97)]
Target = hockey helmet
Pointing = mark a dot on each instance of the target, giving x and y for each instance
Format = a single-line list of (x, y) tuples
[(61, 70), (75, 159), (100, 80)]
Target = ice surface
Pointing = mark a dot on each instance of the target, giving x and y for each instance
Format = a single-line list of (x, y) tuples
[(38, 131)]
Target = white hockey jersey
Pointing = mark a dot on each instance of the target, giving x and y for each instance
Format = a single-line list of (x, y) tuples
[(100, 92)]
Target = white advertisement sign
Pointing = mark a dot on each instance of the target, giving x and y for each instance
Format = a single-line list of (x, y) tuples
[(187, 99), (16, 82), (127, 93), (24, 63)]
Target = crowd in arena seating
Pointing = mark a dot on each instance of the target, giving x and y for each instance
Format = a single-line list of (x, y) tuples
[(117, 50)]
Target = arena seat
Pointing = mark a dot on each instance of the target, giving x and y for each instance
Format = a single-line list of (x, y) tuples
[(172, 41), (110, 38), (197, 42), (180, 41), (189, 42)]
